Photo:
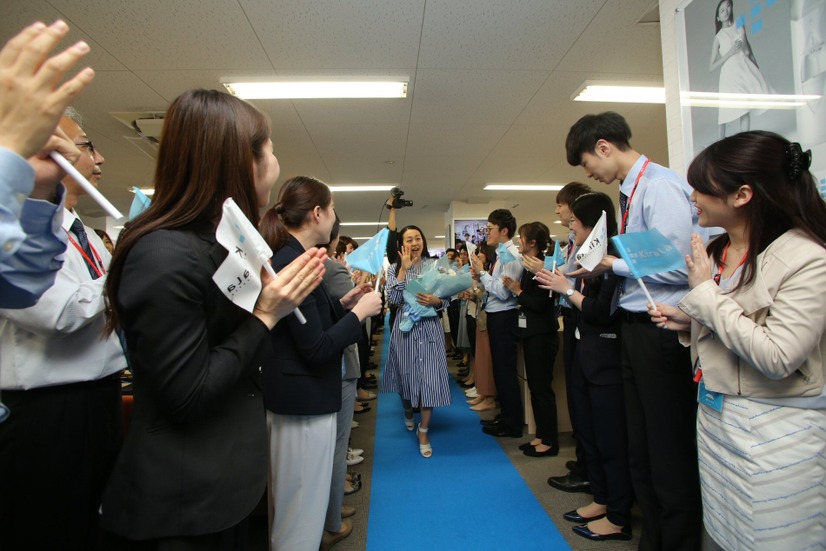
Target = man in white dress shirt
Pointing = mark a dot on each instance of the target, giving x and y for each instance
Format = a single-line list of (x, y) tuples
[(60, 378)]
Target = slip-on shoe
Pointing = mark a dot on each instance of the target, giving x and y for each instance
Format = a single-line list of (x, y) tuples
[(501, 430), (532, 452), (490, 422), (573, 516), (583, 531), (329, 539)]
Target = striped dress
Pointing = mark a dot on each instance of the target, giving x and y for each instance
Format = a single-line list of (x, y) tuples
[(416, 363)]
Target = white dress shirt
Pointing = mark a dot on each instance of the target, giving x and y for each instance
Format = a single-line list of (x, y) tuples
[(60, 339)]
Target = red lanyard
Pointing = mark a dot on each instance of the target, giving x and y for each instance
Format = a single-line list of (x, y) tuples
[(98, 268), (717, 277), (631, 197)]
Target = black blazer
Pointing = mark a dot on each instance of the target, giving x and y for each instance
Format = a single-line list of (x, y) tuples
[(195, 459), (538, 307), (303, 375), (598, 350)]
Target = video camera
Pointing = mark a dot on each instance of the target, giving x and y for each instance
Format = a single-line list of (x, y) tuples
[(398, 202)]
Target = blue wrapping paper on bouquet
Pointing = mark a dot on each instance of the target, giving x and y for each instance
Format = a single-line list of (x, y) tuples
[(431, 282)]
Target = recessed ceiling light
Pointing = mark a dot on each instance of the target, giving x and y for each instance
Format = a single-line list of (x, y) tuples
[(361, 188), (615, 92), (317, 90), (523, 187)]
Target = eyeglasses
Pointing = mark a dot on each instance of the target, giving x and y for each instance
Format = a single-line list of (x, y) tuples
[(491, 228), (88, 145)]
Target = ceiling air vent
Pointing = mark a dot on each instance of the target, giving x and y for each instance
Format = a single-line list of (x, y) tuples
[(146, 129)]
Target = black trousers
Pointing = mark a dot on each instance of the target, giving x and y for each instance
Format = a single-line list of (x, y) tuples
[(661, 409), (56, 452), (601, 431), (539, 352), (503, 333), (569, 343), (453, 320), (235, 538)]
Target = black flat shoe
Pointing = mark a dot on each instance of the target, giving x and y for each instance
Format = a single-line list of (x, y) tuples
[(573, 516), (362, 410), (490, 422), (457, 356), (570, 483), (550, 452), (525, 446), (583, 531), (500, 430)]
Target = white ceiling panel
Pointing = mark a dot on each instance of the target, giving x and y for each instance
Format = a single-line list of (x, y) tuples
[(473, 96), (347, 34), (502, 34), (159, 34), (472, 140)]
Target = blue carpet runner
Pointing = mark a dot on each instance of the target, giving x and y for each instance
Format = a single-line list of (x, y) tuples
[(467, 496)]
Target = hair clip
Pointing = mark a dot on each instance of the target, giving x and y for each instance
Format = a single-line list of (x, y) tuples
[(797, 160)]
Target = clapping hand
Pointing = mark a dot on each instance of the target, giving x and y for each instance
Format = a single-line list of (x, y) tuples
[(698, 263)]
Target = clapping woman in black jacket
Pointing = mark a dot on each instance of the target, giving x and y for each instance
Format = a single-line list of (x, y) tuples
[(596, 391), (540, 342)]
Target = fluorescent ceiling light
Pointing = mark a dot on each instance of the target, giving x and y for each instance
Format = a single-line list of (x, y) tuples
[(316, 90), (523, 187), (148, 191), (363, 238), (438, 237), (363, 224), (748, 101), (361, 188), (619, 93)]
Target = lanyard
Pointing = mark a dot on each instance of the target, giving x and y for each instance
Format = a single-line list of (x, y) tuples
[(631, 197), (717, 277), (98, 268)]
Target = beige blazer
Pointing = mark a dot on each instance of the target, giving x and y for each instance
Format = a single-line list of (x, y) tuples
[(767, 340)]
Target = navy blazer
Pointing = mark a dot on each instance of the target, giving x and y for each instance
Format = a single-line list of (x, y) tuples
[(195, 459), (303, 375), (598, 350)]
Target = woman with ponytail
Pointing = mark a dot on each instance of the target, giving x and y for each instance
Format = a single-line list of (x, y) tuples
[(756, 320), (193, 466), (302, 378)]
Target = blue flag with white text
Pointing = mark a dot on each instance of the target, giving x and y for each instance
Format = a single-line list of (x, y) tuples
[(648, 253), (139, 204), (557, 259)]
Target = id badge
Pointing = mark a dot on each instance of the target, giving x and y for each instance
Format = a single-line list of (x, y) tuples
[(523, 321), (709, 398)]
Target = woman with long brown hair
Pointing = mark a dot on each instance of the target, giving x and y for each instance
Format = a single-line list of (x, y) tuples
[(193, 466), (302, 378)]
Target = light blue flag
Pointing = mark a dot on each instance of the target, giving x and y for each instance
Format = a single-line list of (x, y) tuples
[(503, 254), (139, 204), (369, 256), (556, 259), (648, 253)]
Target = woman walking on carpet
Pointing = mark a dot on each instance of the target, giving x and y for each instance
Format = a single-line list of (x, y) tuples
[(416, 364), (756, 313)]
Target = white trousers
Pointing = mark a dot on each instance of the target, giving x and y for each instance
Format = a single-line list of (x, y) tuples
[(301, 467)]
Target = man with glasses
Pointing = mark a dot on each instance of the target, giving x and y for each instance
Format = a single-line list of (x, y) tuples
[(503, 325), (61, 379)]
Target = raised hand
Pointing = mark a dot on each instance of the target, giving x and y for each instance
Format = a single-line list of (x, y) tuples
[(281, 295), (698, 264)]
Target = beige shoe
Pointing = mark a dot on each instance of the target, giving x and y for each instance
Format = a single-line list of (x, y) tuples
[(484, 405), (347, 511), (329, 539)]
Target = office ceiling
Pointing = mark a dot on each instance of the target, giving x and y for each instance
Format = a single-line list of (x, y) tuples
[(488, 101)]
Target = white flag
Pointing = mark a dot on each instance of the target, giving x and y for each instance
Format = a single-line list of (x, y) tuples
[(595, 247), (239, 277)]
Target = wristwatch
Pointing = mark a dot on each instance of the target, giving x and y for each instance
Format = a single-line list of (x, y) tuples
[(483, 272), (570, 292)]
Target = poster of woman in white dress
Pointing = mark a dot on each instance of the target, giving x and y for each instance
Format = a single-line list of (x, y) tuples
[(766, 71), (732, 55)]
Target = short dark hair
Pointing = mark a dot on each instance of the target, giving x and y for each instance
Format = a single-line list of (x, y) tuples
[(571, 192), (588, 209), (503, 219), (587, 131)]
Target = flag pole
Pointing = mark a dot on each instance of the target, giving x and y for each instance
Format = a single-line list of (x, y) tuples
[(645, 290)]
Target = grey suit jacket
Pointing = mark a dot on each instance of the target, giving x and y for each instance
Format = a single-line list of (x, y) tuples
[(338, 282)]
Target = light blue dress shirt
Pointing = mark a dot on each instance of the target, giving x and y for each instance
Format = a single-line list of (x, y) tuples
[(661, 201), (31, 238), (500, 298)]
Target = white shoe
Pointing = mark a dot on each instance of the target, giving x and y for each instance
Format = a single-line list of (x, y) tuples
[(354, 424), (353, 459), (472, 393), (355, 451)]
